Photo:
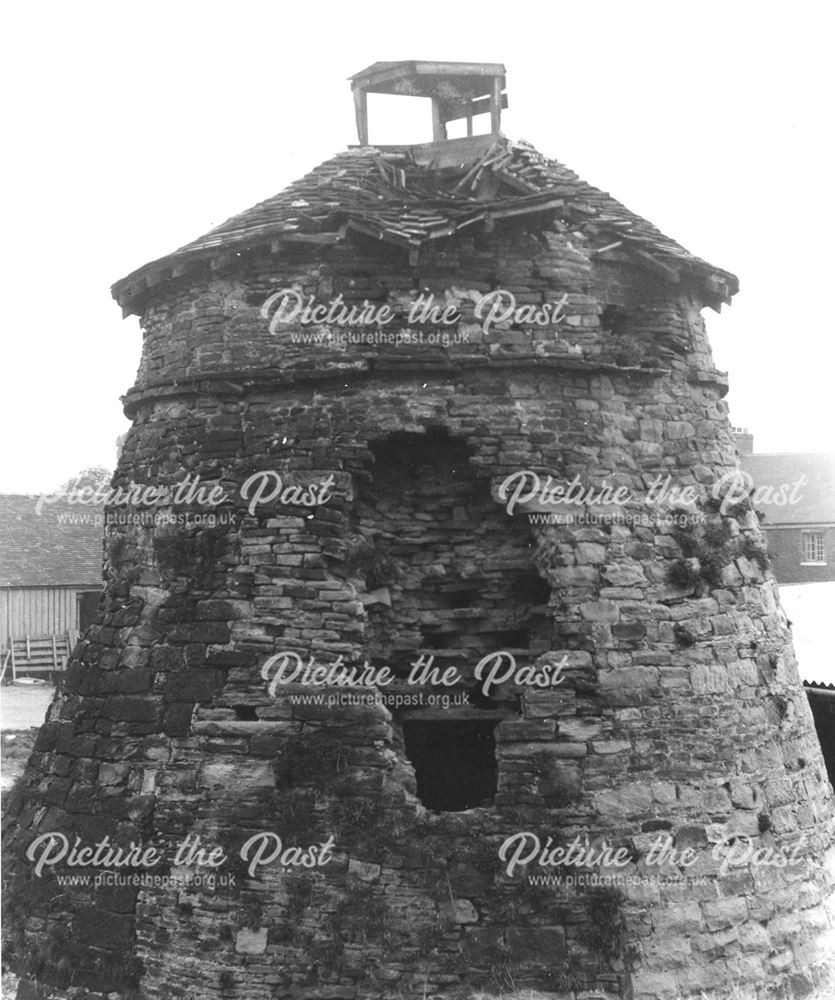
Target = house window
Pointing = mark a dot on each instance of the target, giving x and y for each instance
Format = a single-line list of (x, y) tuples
[(813, 551), (454, 762)]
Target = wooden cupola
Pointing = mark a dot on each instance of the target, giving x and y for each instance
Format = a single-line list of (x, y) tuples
[(456, 90)]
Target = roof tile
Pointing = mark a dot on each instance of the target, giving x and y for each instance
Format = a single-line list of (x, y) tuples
[(410, 195), (61, 546)]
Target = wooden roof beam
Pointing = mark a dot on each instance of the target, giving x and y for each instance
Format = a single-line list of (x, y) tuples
[(654, 264)]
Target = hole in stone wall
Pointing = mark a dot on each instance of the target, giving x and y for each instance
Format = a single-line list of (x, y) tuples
[(532, 589), (461, 598), (614, 320), (245, 713), (454, 762), (462, 580)]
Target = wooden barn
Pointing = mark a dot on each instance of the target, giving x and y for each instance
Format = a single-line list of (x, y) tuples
[(50, 580)]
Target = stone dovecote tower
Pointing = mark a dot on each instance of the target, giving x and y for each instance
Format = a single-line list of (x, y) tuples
[(449, 574)]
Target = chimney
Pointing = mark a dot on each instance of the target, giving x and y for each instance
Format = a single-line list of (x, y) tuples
[(744, 440), (456, 90)]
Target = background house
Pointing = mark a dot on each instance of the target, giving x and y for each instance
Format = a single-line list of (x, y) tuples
[(809, 607), (801, 534), (50, 579), (801, 544)]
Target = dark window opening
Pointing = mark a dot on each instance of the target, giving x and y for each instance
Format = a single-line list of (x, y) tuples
[(454, 762), (404, 460), (614, 320), (245, 713)]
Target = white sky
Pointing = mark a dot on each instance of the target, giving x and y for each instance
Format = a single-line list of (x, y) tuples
[(135, 127)]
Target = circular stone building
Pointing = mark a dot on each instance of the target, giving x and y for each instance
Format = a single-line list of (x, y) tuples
[(438, 651)]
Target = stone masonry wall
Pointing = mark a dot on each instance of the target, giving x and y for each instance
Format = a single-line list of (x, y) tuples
[(680, 711)]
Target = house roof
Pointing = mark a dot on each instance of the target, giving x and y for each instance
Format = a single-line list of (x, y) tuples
[(50, 549), (413, 195), (819, 685), (812, 478)]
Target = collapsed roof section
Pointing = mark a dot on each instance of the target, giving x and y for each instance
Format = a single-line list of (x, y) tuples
[(410, 196)]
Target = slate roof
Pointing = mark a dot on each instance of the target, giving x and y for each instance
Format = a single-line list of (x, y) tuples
[(815, 494), (412, 195), (48, 549)]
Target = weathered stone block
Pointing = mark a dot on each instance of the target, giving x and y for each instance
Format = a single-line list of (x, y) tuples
[(642, 677), (133, 709), (709, 678), (511, 730), (462, 912), (612, 746), (549, 704), (364, 871), (222, 610), (629, 631), (682, 918), (251, 942), (600, 611), (580, 729), (724, 913), (590, 553), (202, 632), (628, 800), (624, 575), (655, 985), (192, 685)]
